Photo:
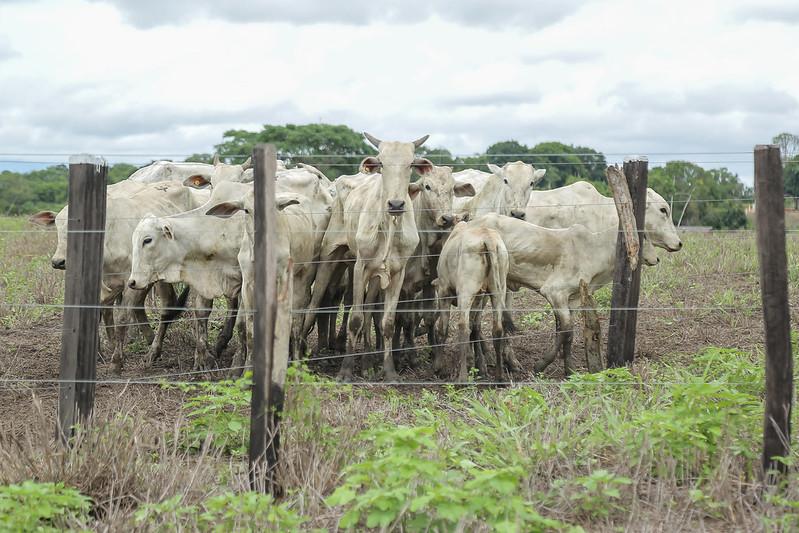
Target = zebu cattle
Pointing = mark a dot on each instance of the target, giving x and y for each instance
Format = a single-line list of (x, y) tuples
[(126, 204), (246, 258), (553, 262), (581, 203), (473, 262), (170, 171), (199, 251), (505, 190)]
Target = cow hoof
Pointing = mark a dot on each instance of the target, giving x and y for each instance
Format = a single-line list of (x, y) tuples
[(391, 376), (540, 366), (512, 364), (151, 357)]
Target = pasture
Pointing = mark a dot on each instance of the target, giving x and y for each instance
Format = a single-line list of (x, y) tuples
[(672, 444)]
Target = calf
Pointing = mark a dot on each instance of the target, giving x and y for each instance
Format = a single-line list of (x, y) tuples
[(473, 262)]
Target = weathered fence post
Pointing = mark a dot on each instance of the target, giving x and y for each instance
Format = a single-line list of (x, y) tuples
[(627, 275), (80, 339), (264, 438), (770, 219)]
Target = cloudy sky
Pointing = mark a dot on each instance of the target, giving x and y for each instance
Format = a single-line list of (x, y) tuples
[(623, 76)]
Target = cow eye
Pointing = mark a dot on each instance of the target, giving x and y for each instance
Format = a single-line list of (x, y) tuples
[(664, 210), (505, 180), (147, 240), (428, 187)]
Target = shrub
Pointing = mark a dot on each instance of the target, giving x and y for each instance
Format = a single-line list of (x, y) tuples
[(32, 506)]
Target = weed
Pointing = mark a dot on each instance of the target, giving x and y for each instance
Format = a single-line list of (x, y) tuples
[(32, 506)]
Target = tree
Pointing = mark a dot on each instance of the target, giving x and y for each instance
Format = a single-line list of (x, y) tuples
[(791, 179), (789, 145), (506, 152), (707, 197), (333, 149)]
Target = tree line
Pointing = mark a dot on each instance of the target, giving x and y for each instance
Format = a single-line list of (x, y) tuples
[(704, 197)]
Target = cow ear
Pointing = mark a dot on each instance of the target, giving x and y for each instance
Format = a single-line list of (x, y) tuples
[(464, 189), (538, 175), (370, 165), (422, 166), (166, 229), (285, 202), (414, 189), (197, 182), (247, 164), (225, 209), (43, 218), (495, 169)]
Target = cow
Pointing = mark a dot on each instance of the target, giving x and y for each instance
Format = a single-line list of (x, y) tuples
[(553, 262), (127, 202), (505, 190), (158, 171), (199, 251), (381, 234), (473, 262), (433, 213), (246, 258), (581, 203)]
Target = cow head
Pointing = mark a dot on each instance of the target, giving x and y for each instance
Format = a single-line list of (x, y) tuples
[(224, 172), (395, 160), (659, 226), (518, 180), (434, 192), (648, 252), (156, 253), (49, 219)]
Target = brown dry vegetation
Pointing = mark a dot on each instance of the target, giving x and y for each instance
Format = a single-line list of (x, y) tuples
[(133, 454)]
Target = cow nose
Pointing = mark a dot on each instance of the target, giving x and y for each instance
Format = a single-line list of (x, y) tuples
[(447, 220), (679, 245), (60, 264), (132, 284), (517, 213), (396, 207)]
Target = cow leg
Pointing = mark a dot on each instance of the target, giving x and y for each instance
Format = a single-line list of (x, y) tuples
[(442, 333), (563, 326), (173, 305), (203, 358), (498, 332), (230, 324), (328, 270), (141, 319), (507, 317), (356, 320), (391, 297), (124, 316), (335, 303), (323, 338)]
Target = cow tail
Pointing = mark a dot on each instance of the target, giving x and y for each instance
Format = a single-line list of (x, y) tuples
[(492, 259)]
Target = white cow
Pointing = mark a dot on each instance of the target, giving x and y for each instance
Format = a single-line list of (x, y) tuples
[(197, 250), (381, 232), (158, 171), (553, 262), (581, 203), (246, 258), (473, 262), (127, 202), (505, 190)]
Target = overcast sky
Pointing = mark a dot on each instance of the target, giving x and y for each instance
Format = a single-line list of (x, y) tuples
[(624, 77)]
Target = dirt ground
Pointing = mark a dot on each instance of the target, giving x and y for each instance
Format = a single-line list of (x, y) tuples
[(705, 295)]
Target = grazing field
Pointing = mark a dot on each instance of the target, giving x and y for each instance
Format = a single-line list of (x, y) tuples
[(671, 444)]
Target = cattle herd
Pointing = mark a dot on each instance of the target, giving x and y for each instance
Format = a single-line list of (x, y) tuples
[(398, 256)]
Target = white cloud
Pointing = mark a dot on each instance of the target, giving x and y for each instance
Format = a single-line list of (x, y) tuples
[(619, 76)]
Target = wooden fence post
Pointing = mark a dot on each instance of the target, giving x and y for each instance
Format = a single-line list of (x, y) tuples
[(627, 276), (264, 438), (770, 220), (80, 339)]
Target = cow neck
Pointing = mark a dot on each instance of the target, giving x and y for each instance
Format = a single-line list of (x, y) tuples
[(489, 199)]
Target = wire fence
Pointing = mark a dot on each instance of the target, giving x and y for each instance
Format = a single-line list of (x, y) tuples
[(718, 157)]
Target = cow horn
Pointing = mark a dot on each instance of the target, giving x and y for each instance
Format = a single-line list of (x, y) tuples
[(247, 164), (372, 139), (420, 141), (216, 159)]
